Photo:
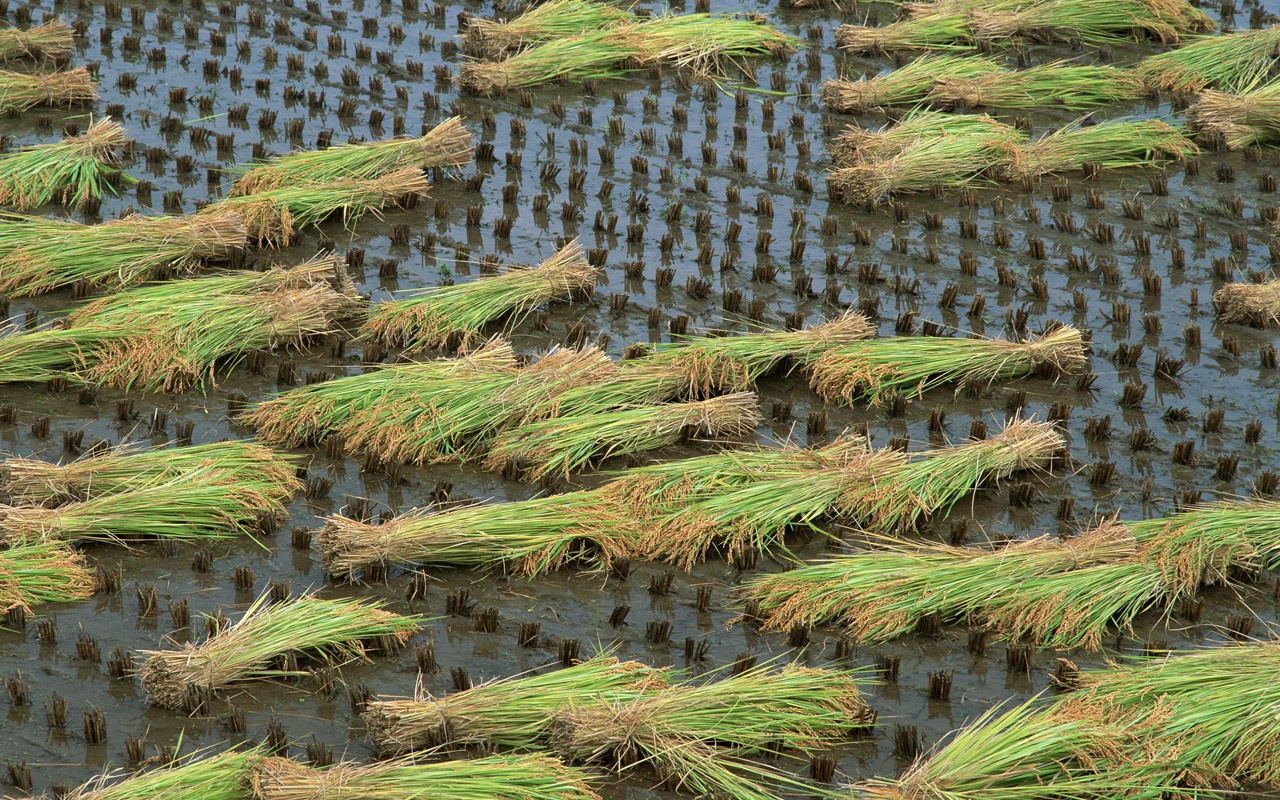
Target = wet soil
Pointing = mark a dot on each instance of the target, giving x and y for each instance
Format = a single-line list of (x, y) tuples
[(916, 263)]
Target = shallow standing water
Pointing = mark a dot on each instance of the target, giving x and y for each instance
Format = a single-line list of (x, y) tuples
[(567, 127)]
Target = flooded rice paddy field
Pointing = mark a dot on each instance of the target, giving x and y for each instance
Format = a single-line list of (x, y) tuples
[(797, 259)]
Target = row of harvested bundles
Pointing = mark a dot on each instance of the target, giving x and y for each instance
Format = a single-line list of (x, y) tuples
[(1183, 726), (172, 336), (932, 151), (625, 716), (252, 774), (584, 40), (1236, 63), (970, 24), (737, 503), (1057, 593)]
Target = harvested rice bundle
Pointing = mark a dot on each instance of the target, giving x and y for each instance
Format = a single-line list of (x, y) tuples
[(527, 538), (42, 255), (855, 145), (453, 316), (544, 22), (272, 217), (943, 31), (1233, 62), (42, 355), (497, 777), (702, 737), (20, 91), (220, 777), (1090, 21), (242, 463), (638, 383), (911, 84), (568, 444), (455, 419), (250, 649), (596, 55), (43, 571), (516, 713), (1256, 304), (1071, 87), (52, 40), (1115, 144), (446, 145), (873, 370), (68, 172), (196, 504), (1023, 753), (1237, 120), (307, 415), (708, 45), (879, 490), (735, 363)]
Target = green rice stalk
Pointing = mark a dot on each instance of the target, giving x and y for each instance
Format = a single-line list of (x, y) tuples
[(453, 316), (455, 419), (68, 172), (517, 713), (42, 355), (1097, 22), (855, 145), (595, 55), (1023, 753), (1237, 120), (42, 255), (912, 84), (249, 650), (1233, 62), (946, 31), (446, 145), (273, 217), (874, 370), (702, 737), (638, 383), (40, 572), (569, 444), (1071, 87), (707, 45), (1114, 144), (20, 91), (497, 777), (1256, 304), (50, 41), (755, 517), (241, 463), (196, 504), (526, 538), (221, 777), (307, 415), (544, 22)]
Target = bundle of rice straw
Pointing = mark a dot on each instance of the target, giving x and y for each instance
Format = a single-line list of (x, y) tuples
[(455, 316), (40, 255), (1110, 145), (50, 41), (942, 31), (221, 777), (446, 145), (273, 217), (495, 777), (250, 649), (595, 55), (856, 144), (1236, 121), (43, 571), (911, 84), (873, 370), (1090, 21), (68, 172), (1071, 87), (20, 91), (564, 445), (517, 713), (1256, 304), (544, 22), (1239, 61), (241, 463)]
